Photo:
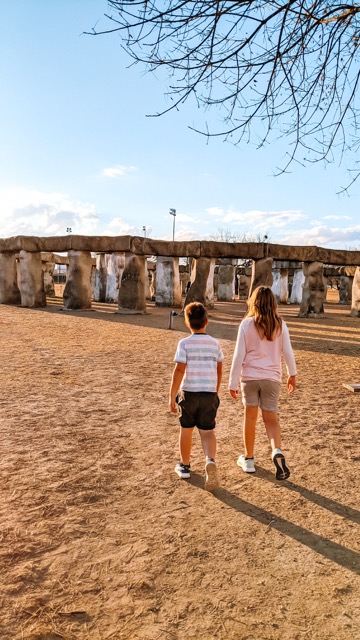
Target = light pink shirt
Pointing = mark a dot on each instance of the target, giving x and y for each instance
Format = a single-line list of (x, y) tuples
[(256, 359)]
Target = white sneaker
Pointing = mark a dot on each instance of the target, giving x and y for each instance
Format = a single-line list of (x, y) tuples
[(183, 470), (211, 477), (247, 465)]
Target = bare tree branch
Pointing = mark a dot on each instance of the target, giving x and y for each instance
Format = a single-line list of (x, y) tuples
[(275, 68)]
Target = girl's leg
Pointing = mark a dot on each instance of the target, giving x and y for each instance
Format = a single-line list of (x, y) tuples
[(208, 441), (250, 417), (185, 444), (272, 426)]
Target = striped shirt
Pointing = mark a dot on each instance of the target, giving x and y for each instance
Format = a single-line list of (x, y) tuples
[(201, 354)]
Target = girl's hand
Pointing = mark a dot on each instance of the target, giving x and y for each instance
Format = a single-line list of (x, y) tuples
[(291, 384), (234, 393)]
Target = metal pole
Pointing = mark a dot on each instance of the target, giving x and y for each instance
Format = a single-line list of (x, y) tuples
[(173, 213)]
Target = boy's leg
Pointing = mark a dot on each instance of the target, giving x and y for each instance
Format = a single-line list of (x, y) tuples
[(208, 442), (185, 444)]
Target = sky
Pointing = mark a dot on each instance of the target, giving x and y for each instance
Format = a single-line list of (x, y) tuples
[(79, 153)]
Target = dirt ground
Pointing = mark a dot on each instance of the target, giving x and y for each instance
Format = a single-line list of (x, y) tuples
[(100, 539)]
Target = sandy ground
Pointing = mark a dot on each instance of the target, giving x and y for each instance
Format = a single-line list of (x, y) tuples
[(100, 539)]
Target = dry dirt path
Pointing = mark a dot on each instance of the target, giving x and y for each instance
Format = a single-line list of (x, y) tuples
[(100, 539)]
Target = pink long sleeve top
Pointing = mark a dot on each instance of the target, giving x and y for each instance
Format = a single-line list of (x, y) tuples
[(260, 359)]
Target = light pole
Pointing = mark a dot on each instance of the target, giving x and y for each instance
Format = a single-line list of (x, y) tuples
[(173, 213), (68, 229), (144, 230)]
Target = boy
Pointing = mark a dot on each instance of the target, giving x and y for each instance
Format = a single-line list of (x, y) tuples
[(197, 373)]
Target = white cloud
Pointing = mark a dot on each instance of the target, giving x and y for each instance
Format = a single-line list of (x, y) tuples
[(263, 220), (324, 236), (32, 212), (336, 218), (182, 217), (118, 170), (119, 227), (215, 211)]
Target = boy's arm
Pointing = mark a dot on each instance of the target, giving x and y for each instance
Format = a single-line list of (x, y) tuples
[(219, 375), (177, 376)]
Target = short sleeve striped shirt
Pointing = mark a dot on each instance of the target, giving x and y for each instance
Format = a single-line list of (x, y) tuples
[(201, 353)]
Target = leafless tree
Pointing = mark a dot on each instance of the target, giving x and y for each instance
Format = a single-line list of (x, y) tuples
[(276, 68), (226, 235)]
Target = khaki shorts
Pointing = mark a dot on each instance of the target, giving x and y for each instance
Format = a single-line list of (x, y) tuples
[(261, 393)]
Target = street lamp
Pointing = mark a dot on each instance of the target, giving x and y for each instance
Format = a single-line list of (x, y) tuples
[(144, 230), (68, 229), (172, 212)]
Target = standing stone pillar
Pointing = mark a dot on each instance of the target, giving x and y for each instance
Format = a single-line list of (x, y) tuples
[(345, 285), (48, 276), (168, 290), (115, 265), (184, 279), (9, 290), (297, 287), (226, 281), (202, 282), (284, 286), (147, 280), (314, 291), (355, 302), (209, 291), (31, 283), (261, 274), (244, 280), (78, 290), (132, 298), (153, 284), (276, 287), (100, 278)]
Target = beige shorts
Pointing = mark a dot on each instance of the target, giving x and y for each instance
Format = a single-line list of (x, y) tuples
[(261, 393)]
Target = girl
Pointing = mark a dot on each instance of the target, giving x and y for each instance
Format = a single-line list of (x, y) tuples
[(262, 339)]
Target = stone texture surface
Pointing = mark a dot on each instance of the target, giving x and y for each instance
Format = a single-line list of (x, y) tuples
[(226, 283), (297, 287), (355, 302), (132, 298), (168, 289), (314, 290), (31, 280), (147, 246), (195, 248), (345, 289), (202, 278), (9, 290), (261, 274), (78, 290)]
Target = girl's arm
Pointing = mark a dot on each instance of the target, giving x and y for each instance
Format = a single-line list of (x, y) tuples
[(238, 359), (289, 358)]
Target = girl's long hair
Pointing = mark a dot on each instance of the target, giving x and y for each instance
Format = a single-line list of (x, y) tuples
[(263, 308)]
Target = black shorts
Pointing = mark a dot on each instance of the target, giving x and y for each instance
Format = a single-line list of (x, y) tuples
[(198, 409)]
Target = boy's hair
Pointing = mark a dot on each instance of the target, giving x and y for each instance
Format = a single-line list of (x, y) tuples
[(263, 308), (195, 315)]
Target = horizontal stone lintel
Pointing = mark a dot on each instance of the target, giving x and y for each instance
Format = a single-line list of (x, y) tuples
[(193, 249)]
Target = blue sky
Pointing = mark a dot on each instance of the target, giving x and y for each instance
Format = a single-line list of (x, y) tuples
[(77, 150)]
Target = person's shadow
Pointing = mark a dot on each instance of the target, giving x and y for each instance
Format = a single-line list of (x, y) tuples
[(333, 551)]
